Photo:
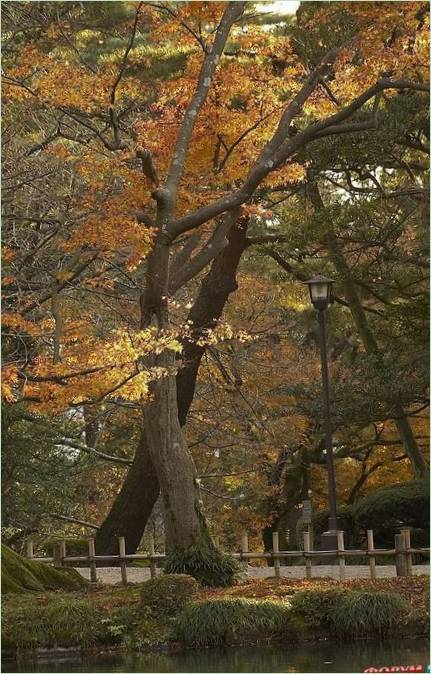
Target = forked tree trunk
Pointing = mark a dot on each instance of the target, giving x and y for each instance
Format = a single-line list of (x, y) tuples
[(174, 466), (133, 505)]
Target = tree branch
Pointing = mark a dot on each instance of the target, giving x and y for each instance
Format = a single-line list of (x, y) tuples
[(232, 12)]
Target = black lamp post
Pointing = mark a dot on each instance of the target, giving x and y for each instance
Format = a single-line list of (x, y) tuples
[(320, 289)]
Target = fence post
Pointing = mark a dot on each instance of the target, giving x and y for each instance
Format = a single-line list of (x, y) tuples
[(244, 548), (153, 565), (57, 550), (29, 549), (62, 552), (400, 559), (123, 563), (276, 548), (371, 557), (341, 557), (92, 560), (308, 560), (405, 531)]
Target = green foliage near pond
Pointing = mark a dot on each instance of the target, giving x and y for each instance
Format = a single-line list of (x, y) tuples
[(22, 575), (348, 613), (142, 618), (168, 594), (361, 613), (60, 621), (216, 621)]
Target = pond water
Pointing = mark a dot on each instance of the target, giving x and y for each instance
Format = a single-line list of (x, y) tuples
[(310, 657)]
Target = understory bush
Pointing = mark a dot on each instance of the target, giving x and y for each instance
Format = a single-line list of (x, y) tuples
[(210, 567), (217, 621), (314, 608), (63, 622), (168, 594), (134, 628), (347, 612), (361, 613), (388, 508)]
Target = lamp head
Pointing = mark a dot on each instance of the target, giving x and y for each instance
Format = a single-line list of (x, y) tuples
[(320, 288)]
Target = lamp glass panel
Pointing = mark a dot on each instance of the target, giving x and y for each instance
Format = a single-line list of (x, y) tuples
[(319, 291)]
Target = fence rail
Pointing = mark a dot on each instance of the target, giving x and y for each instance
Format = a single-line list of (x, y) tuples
[(402, 553)]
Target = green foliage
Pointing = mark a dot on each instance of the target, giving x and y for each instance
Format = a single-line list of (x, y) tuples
[(39, 474), (75, 547), (168, 594), (348, 612), (134, 628), (386, 509), (209, 566), (59, 621), (214, 622), (20, 575), (315, 607), (360, 613)]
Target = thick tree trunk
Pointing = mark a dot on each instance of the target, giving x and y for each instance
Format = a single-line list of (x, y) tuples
[(174, 466), (135, 501), (132, 507)]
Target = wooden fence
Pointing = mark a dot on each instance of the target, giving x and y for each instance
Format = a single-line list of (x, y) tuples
[(402, 553)]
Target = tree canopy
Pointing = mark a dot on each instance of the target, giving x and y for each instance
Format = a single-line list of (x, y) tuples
[(172, 173)]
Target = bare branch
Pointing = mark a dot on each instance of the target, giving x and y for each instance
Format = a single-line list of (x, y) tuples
[(232, 12), (96, 452)]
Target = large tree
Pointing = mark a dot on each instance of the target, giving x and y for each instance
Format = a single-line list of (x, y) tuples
[(180, 154)]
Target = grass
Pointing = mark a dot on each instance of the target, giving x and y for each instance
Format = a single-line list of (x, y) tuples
[(60, 621), (359, 613), (114, 615), (217, 621)]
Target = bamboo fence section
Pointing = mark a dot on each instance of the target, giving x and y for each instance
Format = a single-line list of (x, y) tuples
[(402, 553)]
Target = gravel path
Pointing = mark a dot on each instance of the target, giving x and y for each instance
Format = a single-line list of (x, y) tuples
[(111, 575)]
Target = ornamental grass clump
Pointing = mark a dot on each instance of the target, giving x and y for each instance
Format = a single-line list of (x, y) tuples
[(168, 594), (217, 621), (315, 608), (361, 613), (210, 567), (58, 622)]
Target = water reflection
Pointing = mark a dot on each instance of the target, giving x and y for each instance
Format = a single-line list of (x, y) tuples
[(316, 658)]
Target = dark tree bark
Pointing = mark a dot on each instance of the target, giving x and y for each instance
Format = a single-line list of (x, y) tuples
[(132, 506), (135, 501)]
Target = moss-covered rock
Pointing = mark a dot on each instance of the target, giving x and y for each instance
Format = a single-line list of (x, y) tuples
[(19, 574)]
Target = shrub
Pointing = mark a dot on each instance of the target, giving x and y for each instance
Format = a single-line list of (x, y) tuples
[(134, 628), (210, 567), (315, 607), (388, 508), (168, 594), (61, 622), (348, 612), (359, 613), (213, 622)]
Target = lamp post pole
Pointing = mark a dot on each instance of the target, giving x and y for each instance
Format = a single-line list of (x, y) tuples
[(320, 289), (332, 522)]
